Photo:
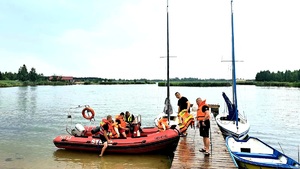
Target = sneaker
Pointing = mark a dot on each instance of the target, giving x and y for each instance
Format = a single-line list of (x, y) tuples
[(202, 150), (206, 153), (183, 134)]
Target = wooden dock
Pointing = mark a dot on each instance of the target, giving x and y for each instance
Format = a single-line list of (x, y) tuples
[(188, 156)]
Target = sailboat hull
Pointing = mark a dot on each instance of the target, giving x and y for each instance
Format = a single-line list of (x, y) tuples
[(253, 153), (243, 165), (229, 128)]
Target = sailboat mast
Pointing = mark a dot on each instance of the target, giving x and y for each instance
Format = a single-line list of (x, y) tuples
[(168, 57), (168, 67), (233, 70)]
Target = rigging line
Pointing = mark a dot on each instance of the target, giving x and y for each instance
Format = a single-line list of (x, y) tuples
[(281, 148), (298, 154), (233, 69)]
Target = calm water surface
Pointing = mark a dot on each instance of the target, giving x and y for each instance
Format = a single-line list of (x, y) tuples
[(31, 117)]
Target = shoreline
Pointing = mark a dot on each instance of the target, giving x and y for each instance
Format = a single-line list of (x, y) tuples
[(16, 83), (228, 83)]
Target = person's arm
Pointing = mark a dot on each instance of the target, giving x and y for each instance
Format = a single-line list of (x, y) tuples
[(188, 105), (206, 117), (119, 123)]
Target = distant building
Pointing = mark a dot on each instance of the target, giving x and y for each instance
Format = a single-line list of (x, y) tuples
[(62, 78)]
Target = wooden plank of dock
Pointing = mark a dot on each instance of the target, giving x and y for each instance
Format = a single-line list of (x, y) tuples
[(187, 154)]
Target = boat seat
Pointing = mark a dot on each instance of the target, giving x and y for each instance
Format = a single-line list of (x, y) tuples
[(256, 155)]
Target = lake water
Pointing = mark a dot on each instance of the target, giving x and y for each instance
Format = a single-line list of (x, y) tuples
[(31, 117)]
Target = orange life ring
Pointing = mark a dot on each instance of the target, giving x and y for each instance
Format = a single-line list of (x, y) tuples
[(86, 115)]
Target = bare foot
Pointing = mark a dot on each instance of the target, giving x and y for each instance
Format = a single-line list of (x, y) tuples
[(100, 155)]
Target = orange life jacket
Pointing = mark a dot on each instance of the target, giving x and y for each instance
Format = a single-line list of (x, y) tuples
[(123, 123), (161, 122), (187, 118), (111, 131), (185, 115), (200, 114)]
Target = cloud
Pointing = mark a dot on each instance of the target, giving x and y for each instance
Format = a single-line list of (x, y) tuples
[(125, 39)]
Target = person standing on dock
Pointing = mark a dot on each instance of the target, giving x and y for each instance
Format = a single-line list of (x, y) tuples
[(183, 103), (203, 117)]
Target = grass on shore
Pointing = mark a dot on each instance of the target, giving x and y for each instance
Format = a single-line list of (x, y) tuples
[(228, 83), (197, 84), (10, 83), (15, 83)]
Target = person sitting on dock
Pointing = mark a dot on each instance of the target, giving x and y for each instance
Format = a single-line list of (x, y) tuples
[(121, 124), (203, 117)]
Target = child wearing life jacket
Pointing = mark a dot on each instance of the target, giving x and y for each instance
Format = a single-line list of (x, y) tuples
[(121, 124)]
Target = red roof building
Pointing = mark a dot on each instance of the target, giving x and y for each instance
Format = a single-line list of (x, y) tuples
[(62, 78)]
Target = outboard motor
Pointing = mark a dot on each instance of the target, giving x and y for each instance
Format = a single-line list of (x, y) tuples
[(78, 131), (95, 130)]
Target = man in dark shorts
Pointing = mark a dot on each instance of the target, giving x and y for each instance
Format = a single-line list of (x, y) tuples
[(204, 130), (104, 135)]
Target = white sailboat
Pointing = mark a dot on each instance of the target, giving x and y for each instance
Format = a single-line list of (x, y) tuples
[(168, 111), (173, 118), (233, 124)]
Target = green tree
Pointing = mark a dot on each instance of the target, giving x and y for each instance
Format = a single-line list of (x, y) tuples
[(33, 76), (41, 77), (23, 73), (263, 76), (10, 76), (1, 76)]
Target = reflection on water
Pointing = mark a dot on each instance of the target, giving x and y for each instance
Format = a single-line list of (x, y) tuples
[(31, 117), (27, 99), (92, 160)]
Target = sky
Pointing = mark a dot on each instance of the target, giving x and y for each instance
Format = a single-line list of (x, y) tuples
[(127, 39)]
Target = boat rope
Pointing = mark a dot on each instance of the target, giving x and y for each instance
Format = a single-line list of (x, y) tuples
[(211, 115), (281, 148), (298, 154)]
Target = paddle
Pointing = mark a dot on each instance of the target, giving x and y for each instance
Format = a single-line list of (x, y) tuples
[(141, 142)]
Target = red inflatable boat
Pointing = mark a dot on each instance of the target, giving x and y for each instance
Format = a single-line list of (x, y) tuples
[(150, 140), (160, 142)]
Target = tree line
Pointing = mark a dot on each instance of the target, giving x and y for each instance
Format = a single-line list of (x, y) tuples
[(262, 76), (23, 75), (279, 76)]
